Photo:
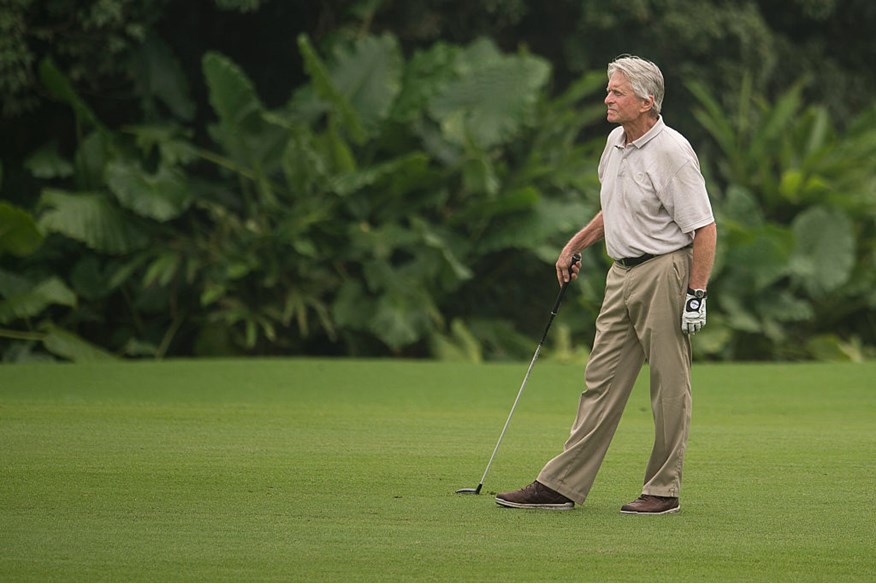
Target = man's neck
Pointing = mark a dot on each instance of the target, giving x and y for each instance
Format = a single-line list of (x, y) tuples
[(637, 128)]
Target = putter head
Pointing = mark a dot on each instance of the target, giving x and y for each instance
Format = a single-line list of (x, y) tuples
[(467, 491)]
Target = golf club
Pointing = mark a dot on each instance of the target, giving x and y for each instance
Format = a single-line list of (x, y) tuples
[(477, 491)]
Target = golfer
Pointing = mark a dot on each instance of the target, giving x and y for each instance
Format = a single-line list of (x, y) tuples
[(658, 227)]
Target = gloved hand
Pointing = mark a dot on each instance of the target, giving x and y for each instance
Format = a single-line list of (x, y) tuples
[(693, 318)]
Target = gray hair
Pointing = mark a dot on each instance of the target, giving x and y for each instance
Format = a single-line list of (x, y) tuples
[(644, 76)]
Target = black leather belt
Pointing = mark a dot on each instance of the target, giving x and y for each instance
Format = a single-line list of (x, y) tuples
[(630, 262)]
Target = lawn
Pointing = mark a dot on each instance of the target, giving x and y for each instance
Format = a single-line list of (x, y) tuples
[(342, 470)]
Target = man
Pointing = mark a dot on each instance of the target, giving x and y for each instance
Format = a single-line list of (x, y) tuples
[(658, 226)]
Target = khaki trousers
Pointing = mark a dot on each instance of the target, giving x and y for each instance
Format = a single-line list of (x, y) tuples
[(640, 320)]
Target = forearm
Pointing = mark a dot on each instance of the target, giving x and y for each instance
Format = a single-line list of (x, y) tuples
[(704, 244), (590, 234)]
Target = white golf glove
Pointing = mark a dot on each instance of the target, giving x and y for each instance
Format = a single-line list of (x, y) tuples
[(693, 318)]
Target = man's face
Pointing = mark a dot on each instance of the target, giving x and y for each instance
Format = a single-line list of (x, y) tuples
[(623, 104)]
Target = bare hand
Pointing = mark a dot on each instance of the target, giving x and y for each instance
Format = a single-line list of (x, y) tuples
[(568, 267)]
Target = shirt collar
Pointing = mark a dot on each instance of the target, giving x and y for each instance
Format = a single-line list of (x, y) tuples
[(645, 138)]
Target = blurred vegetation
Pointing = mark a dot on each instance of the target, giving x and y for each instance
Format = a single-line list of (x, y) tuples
[(376, 178)]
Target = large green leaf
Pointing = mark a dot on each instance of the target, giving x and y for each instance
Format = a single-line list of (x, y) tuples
[(171, 141), (403, 311), (18, 231), (446, 243), (326, 89), (94, 153), (824, 255), (62, 89), (739, 315), (740, 208), (304, 166), (459, 345), (46, 163), (368, 73), (499, 338), (757, 258), (232, 94), (254, 143), (394, 176), (92, 219), (404, 315), (425, 74), (492, 99), (520, 200), (533, 230), (63, 343), (479, 176), (830, 347), (158, 74), (713, 117), (24, 299), (785, 307), (161, 196), (776, 121), (353, 306)]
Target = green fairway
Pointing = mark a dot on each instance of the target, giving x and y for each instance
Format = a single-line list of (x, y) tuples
[(340, 470)]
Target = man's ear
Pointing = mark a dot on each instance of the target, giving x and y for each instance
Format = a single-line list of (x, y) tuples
[(648, 104)]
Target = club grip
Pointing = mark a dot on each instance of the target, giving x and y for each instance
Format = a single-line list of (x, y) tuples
[(575, 259)]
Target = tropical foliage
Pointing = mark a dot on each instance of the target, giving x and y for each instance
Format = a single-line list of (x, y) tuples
[(798, 229), (403, 200), (352, 220)]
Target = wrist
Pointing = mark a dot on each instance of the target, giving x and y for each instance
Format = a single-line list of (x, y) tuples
[(698, 292)]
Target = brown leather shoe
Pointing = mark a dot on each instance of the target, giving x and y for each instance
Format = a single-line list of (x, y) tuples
[(535, 496), (652, 505)]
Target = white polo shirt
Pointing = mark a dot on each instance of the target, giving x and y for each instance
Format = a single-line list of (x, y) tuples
[(653, 194)]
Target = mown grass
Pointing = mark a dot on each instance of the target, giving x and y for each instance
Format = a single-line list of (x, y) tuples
[(338, 470)]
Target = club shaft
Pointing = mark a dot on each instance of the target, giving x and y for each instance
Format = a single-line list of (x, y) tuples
[(511, 413), (525, 379)]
